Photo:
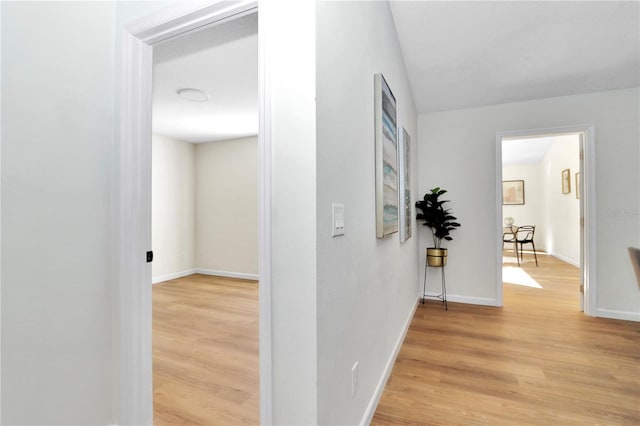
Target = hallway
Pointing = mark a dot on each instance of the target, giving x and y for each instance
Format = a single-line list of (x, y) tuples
[(538, 360)]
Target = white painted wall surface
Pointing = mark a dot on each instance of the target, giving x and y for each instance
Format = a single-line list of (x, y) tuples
[(173, 207), (226, 237), (290, 78), (532, 212), (367, 287), (457, 151), (562, 211), (57, 136)]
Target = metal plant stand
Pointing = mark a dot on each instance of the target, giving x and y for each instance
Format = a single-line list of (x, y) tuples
[(442, 296)]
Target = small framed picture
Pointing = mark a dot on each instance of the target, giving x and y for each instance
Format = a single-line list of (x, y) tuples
[(566, 181), (512, 192), (578, 185)]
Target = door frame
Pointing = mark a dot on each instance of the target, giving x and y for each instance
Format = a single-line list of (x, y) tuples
[(132, 201), (587, 207)]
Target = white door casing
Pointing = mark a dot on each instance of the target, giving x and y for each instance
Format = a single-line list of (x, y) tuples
[(133, 202), (587, 207)]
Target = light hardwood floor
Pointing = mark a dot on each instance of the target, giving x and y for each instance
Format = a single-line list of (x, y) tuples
[(536, 361), (205, 351)]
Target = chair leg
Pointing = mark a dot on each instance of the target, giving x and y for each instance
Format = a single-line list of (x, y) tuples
[(534, 252), (517, 255)]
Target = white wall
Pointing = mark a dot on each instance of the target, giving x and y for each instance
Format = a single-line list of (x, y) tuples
[(205, 208), (532, 212), (562, 211), (173, 207), (57, 135), (457, 150), (59, 299), (289, 130), (227, 206), (367, 287)]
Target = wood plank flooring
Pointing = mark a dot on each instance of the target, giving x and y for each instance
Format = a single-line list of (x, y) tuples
[(536, 361), (205, 351)]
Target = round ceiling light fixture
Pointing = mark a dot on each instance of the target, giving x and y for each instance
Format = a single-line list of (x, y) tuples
[(193, 95)]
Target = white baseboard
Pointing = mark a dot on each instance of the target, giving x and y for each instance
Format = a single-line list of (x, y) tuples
[(620, 315), (484, 301), (241, 275), (162, 278), (377, 394), (227, 274), (566, 259)]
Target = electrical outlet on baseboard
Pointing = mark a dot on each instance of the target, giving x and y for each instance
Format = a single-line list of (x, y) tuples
[(354, 379)]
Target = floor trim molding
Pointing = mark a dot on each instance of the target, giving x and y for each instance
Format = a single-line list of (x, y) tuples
[(619, 315), (484, 301), (377, 394), (228, 274), (565, 259)]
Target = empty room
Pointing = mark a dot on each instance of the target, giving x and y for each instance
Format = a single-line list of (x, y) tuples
[(205, 226)]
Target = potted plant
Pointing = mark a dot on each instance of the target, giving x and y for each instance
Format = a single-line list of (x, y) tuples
[(441, 222)]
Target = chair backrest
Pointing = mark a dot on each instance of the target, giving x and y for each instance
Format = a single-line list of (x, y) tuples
[(634, 254), (526, 232)]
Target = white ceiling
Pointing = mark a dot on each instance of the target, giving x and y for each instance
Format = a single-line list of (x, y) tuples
[(458, 54), (474, 53), (525, 151), (222, 61)]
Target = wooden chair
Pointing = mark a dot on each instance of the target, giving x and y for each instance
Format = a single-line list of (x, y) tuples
[(525, 235)]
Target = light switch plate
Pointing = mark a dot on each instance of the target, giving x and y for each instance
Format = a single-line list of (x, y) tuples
[(337, 219)]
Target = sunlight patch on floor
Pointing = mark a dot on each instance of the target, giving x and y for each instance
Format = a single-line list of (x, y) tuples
[(517, 276)]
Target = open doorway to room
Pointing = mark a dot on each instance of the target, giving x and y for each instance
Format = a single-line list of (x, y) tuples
[(542, 221), (205, 200)]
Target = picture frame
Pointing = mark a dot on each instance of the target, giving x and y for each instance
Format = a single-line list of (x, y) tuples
[(404, 157), (566, 181), (512, 192), (578, 185), (386, 146)]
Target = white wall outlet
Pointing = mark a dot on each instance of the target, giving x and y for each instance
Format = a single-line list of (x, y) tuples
[(354, 379), (337, 219)]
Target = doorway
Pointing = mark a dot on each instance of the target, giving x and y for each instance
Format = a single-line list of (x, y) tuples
[(205, 225), (134, 204), (541, 209), (585, 252)]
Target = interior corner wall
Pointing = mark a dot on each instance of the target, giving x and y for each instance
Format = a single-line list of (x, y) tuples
[(58, 130), (532, 211), (226, 213), (367, 287), (173, 208), (457, 151), (562, 211)]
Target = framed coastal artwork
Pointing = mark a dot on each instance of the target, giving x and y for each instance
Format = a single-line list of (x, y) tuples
[(404, 149), (386, 146)]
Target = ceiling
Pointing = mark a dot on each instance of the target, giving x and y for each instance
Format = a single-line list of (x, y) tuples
[(525, 151), (475, 53), (458, 54), (223, 62)]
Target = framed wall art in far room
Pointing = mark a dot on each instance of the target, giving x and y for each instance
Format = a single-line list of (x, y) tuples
[(566, 181), (512, 192), (386, 146)]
